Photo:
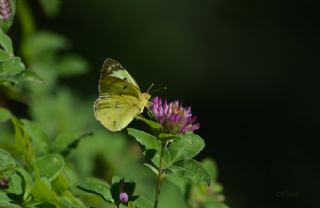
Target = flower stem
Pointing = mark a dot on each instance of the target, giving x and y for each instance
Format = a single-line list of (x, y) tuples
[(160, 175)]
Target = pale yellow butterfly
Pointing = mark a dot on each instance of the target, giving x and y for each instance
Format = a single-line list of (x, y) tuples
[(120, 99)]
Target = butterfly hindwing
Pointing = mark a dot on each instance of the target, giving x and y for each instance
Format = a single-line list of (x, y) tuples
[(116, 112)]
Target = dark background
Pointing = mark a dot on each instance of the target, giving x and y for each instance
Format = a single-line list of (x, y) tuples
[(249, 69)]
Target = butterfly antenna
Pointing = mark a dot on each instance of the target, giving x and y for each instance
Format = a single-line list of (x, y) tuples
[(150, 87), (159, 89)]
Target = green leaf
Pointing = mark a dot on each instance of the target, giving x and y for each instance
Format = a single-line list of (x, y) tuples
[(23, 142), (5, 42), (4, 114), (6, 160), (71, 65), (28, 75), (142, 202), (68, 140), (50, 7), (11, 67), (50, 165), (214, 204), (192, 170), (152, 124), (211, 167), (68, 198), (39, 139), (27, 181), (60, 184), (98, 187), (42, 192), (5, 201), (15, 185), (152, 168), (42, 44), (4, 56), (185, 147), (148, 141)]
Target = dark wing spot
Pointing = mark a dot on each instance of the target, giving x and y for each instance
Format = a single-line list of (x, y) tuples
[(114, 123), (125, 78), (124, 87)]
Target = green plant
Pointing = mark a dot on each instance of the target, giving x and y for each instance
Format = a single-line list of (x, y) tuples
[(54, 153)]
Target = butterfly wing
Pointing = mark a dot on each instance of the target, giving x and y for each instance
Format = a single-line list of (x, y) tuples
[(114, 79), (120, 98), (115, 112)]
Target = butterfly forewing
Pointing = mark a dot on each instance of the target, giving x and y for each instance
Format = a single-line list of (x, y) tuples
[(114, 79)]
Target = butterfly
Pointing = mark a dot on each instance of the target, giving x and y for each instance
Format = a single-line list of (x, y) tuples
[(120, 99)]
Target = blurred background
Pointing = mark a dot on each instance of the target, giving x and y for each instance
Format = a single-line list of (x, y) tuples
[(248, 69)]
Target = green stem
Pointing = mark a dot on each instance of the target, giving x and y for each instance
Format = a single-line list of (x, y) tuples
[(160, 175)]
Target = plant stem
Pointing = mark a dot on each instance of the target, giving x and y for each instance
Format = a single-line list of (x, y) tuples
[(156, 200)]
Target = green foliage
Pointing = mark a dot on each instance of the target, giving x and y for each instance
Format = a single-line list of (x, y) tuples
[(54, 157)]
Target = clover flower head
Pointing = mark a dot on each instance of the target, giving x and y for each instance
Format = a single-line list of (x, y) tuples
[(173, 117), (123, 197)]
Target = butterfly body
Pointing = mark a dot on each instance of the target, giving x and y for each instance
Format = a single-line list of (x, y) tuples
[(120, 98)]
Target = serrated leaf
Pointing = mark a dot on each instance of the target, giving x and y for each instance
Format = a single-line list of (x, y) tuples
[(6, 160), (5, 42), (50, 165), (98, 187), (68, 140), (192, 170), (4, 114)]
